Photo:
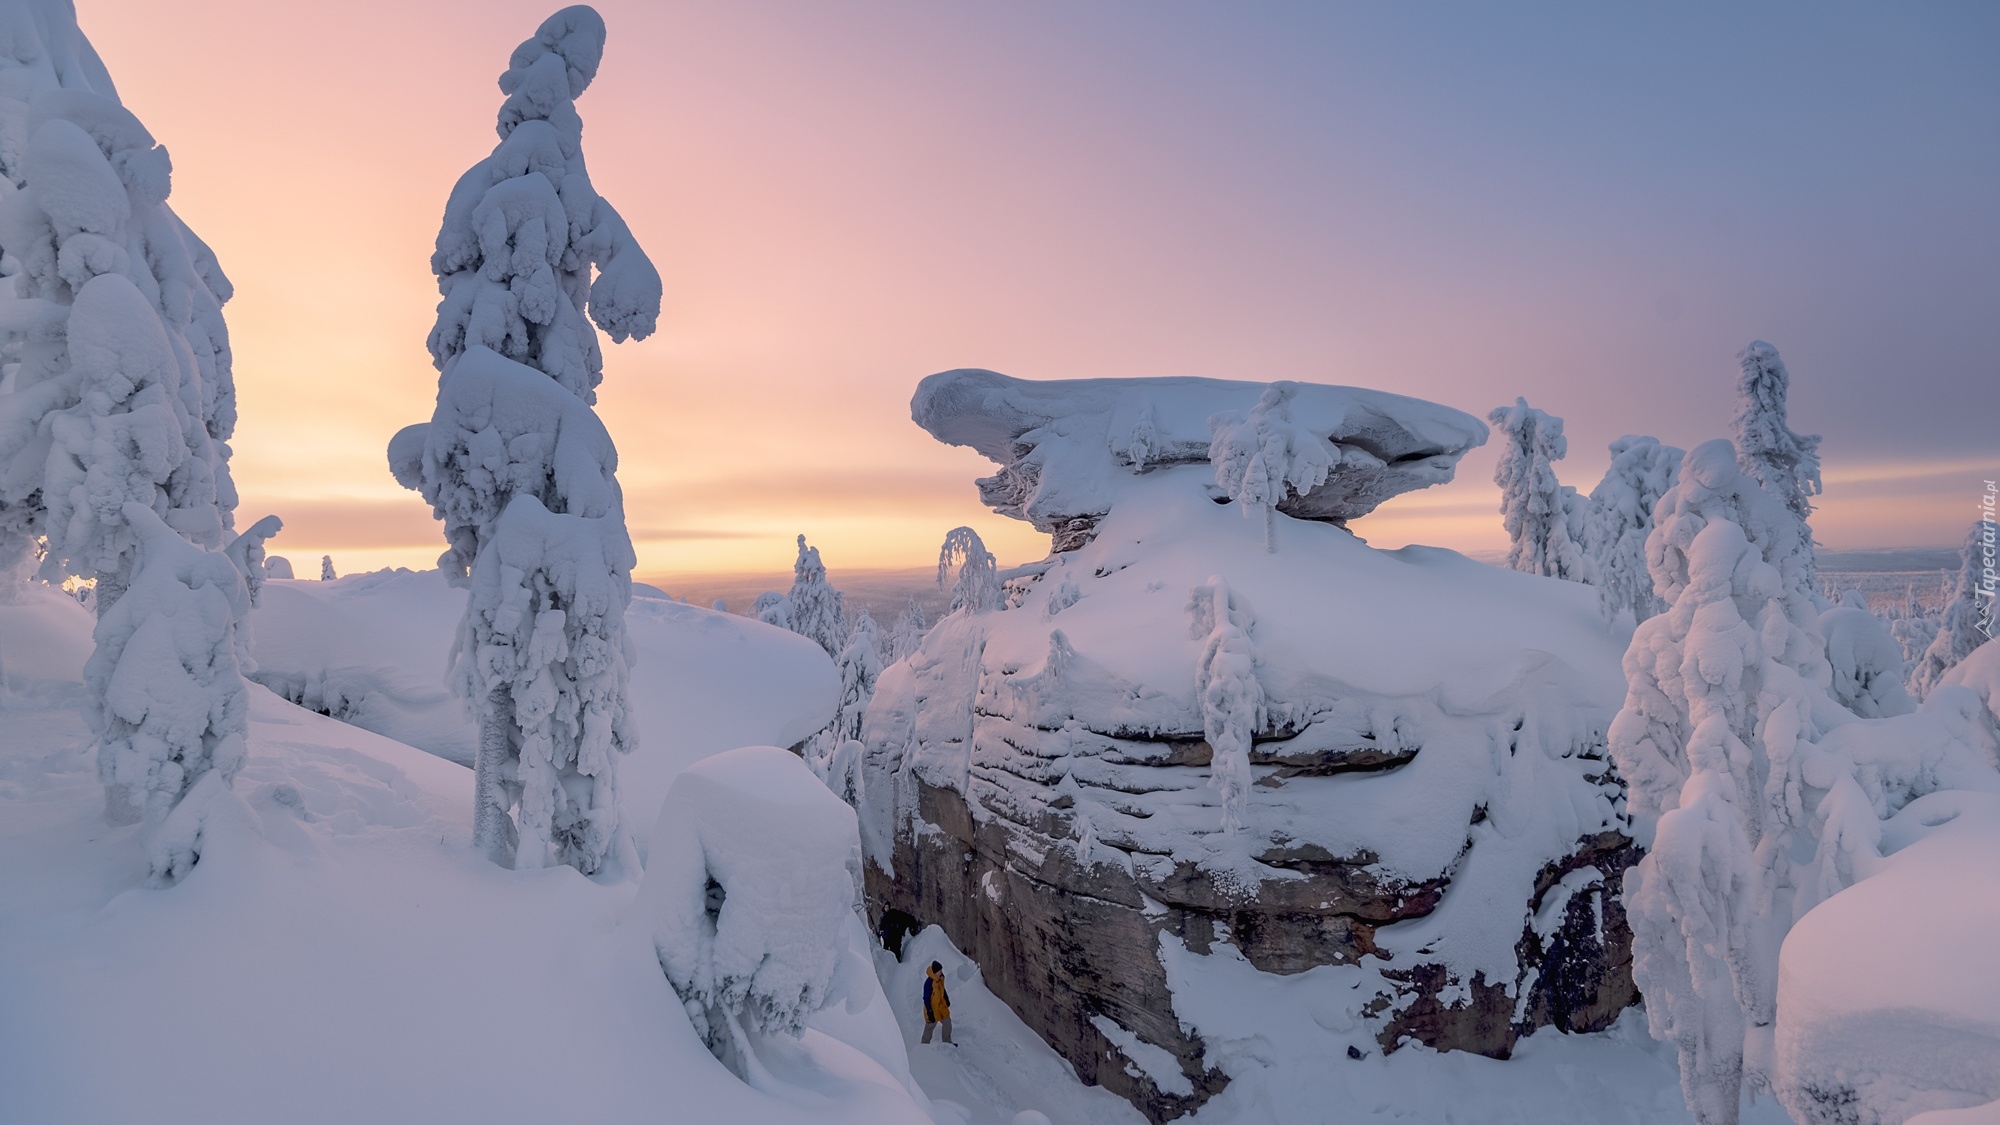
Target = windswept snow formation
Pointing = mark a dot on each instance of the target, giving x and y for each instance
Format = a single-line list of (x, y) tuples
[(751, 886), (1065, 446), (1167, 739)]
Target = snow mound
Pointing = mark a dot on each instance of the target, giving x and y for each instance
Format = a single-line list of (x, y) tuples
[(1066, 446), (372, 650), (341, 954), (1889, 992), (751, 883)]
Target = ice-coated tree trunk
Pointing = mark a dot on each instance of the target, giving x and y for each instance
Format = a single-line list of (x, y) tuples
[(492, 773)]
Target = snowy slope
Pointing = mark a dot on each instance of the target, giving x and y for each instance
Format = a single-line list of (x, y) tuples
[(372, 649), (340, 955)]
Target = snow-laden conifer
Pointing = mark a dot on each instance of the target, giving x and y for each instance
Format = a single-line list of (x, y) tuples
[(522, 471), (813, 608), (772, 608), (907, 633), (1619, 517), (326, 573), (1759, 794), (1867, 664), (860, 665), (977, 588), (1232, 698), (1787, 463), (167, 678), (115, 409), (1540, 513), (1966, 622), (1261, 459)]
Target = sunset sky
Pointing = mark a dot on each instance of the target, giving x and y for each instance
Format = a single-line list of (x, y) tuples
[(1592, 206)]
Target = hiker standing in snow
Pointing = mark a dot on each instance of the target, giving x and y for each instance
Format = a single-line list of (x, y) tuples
[(937, 1005)]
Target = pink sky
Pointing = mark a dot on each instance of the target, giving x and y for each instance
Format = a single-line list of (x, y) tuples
[(845, 198)]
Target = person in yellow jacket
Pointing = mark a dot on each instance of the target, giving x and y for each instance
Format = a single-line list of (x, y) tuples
[(937, 1005)]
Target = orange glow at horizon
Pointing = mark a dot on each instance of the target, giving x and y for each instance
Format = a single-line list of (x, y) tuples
[(842, 201)]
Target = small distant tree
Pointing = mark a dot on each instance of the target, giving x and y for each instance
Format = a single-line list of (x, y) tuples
[(814, 609), (772, 608), (1261, 459), (1232, 698), (977, 588), (907, 633), (522, 471), (1965, 623), (1540, 513), (1619, 517), (326, 573)]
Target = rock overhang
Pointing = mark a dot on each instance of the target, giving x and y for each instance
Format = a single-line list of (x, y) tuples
[(1065, 446)]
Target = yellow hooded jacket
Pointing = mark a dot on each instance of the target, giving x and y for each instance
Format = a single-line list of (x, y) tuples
[(937, 1005)]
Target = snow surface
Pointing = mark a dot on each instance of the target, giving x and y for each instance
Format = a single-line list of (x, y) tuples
[(341, 954), (1889, 992), (372, 649)]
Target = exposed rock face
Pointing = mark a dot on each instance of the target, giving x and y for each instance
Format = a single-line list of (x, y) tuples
[(1063, 444), (1427, 809)]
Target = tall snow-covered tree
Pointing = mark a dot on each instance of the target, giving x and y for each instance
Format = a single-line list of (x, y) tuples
[(1967, 619), (326, 573), (116, 405), (1787, 463), (1758, 793), (813, 608), (1619, 517), (1261, 459), (1540, 513), (521, 470), (977, 588), (1231, 696)]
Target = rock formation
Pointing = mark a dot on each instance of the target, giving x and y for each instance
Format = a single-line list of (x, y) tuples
[(1429, 814)]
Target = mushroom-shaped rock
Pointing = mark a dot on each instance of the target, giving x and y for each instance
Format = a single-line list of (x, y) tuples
[(1065, 447)]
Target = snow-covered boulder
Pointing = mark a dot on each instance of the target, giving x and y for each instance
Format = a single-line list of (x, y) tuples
[(1889, 992), (1172, 747), (1065, 446), (750, 889)]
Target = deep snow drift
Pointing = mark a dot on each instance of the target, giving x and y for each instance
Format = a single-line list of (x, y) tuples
[(340, 954)]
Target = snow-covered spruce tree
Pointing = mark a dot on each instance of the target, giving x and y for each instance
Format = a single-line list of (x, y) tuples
[(1784, 462), (1968, 614), (1261, 459), (115, 409), (977, 588), (1540, 513), (523, 472), (1725, 688), (860, 665), (1867, 664), (814, 609), (1619, 517), (326, 573), (772, 608), (907, 633), (168, 674), (1232, 698)]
